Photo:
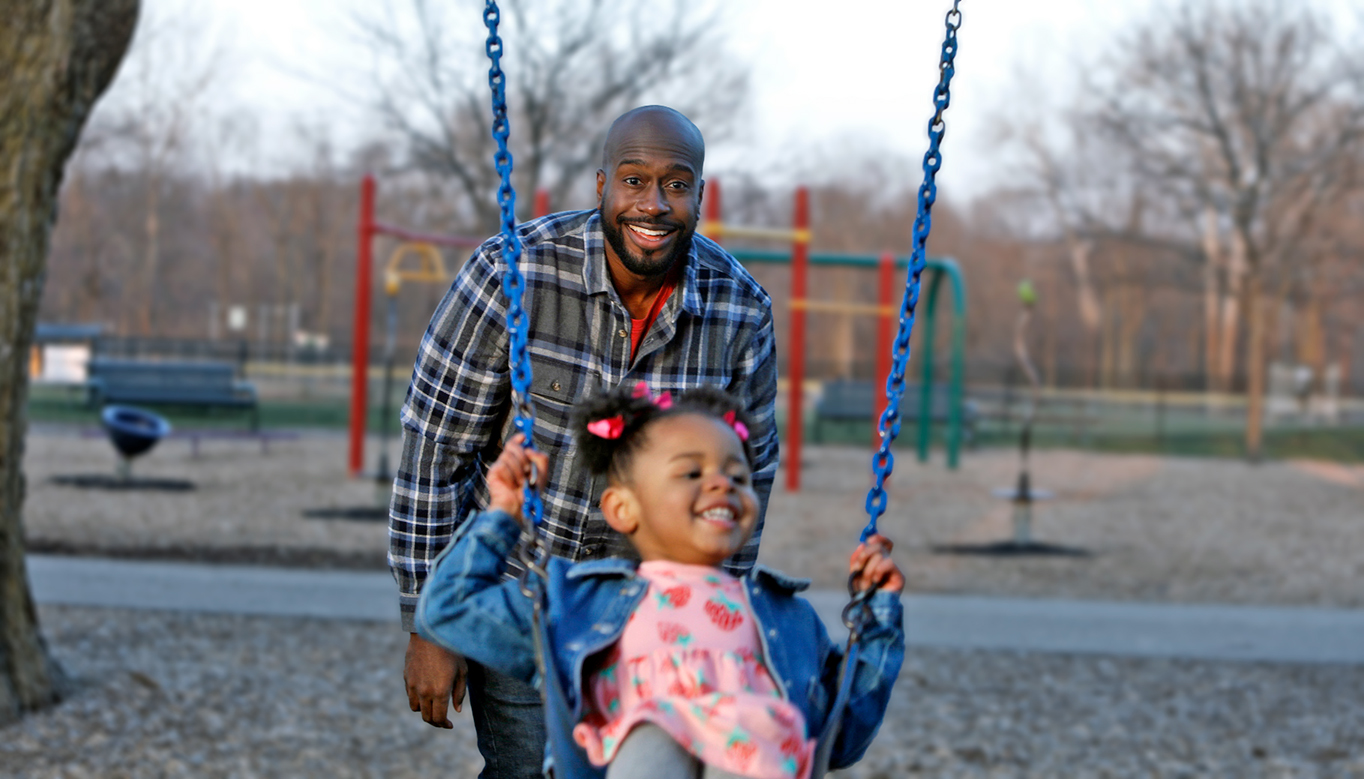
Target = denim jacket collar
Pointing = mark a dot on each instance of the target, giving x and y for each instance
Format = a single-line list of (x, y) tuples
[(614, 567), (607, 567), (787, 584)]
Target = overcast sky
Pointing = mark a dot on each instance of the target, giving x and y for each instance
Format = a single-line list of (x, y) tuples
[(828, 76)]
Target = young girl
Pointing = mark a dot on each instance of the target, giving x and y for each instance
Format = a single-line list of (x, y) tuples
[(672, 667)]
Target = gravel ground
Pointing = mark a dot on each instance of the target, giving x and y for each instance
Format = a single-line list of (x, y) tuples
[(168, 694), (1180, 530), (182, 695)]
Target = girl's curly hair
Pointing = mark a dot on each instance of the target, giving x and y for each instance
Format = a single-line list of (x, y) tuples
[(637, 411)]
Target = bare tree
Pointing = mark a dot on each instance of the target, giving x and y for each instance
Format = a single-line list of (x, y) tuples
[(1250, 119), (571, 67), (1233, 126), (146, 128), (57, 57)]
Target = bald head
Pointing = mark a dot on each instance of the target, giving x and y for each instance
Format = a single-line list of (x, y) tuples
[(653, 127)]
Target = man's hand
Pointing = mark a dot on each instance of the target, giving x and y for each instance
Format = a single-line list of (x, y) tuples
[(433, 677), (872, 566)]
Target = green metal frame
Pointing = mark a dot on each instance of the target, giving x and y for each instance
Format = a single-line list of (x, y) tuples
[(956, 383), (936, 268)]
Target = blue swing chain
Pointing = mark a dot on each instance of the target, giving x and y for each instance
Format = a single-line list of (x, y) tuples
[(513, 284), (883, 462), (858, 611)]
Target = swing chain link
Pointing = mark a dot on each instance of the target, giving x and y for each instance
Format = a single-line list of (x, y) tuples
[(534, 554), (888, 427), (857, 614)]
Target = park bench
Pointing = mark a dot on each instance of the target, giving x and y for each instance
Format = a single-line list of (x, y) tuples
[(194, 384), (854, 401)]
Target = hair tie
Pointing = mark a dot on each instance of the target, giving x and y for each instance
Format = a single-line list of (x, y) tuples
[(609, 428), (663, 401), (740, 429)]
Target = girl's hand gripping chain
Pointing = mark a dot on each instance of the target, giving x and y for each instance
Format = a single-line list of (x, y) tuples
[(871, 566), (509, 474)]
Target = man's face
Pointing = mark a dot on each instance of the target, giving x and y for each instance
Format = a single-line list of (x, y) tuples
[(650, 198)]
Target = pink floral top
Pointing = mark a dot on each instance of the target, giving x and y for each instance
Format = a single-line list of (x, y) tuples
[(690, 661)]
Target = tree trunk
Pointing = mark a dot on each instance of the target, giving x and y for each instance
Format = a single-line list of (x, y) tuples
[(1237, 272), (1255, 367), (1211, 324), (57, 57), (1133, 310), (1108, 338), (151, 252), (1310, 339)]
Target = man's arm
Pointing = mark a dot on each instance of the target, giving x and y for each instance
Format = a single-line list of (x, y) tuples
[(452, 411), (756, 385)]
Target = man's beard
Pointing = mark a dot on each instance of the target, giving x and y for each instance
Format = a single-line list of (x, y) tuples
[(637, 263)]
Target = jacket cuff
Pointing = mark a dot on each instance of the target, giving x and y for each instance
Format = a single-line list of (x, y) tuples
[(497, 530), (887, 609)]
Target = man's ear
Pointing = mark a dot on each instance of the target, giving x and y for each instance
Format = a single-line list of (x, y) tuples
[(601, 185), (620, 508)]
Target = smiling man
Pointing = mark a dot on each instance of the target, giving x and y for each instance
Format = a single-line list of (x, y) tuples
[(623, 293)]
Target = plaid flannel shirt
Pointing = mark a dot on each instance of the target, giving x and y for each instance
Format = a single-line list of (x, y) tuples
[(716, 329)]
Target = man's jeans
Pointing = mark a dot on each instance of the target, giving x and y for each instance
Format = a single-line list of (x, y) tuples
[(510, 721)]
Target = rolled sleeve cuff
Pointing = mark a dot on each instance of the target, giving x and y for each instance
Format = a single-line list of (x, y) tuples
[(407, 611)]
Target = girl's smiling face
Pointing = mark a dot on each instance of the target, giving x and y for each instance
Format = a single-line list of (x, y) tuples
[(689, 496)]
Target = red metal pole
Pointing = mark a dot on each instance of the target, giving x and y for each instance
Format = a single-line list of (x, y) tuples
[(359, 382), (541, 203), (883, 335), (712, 208), (795, 409)]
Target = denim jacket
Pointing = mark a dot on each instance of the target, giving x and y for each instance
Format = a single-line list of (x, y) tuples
[(467, 606)]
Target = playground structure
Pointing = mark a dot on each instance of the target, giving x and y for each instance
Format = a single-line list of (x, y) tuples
[(133, 432), (425, 247), (1023, 494), (368, 228), (431, 269), (800, 259)]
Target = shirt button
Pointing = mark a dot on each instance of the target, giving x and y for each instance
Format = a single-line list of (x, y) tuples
[(772, 632), (757, 591), (622, 333), (602, 627), (554, 385)]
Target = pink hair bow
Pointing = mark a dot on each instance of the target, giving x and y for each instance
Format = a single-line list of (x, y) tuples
[(740, 429), (609, 428), (663, 401)]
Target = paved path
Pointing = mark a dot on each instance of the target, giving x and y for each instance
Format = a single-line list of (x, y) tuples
[(1312, 635)]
